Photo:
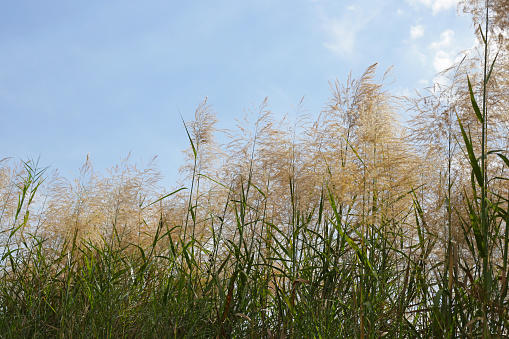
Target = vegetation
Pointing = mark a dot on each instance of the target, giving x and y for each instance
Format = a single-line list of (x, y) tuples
[(346, 226)]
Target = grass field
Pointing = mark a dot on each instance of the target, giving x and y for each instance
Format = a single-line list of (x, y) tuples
[(346, 226)]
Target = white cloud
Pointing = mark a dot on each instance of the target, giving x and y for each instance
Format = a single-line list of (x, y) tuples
[(343, 37), (350, 8), (442, 60), (442, 5), (437, 5), (444, 57), (416, 31), (343, 31), (445, 39)]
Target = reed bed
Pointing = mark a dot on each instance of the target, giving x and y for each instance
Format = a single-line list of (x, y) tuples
[(348, 226)]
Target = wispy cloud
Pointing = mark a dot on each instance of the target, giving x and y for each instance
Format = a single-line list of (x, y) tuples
[(444, 56), (442, 60), (416, 31), (446, 39), (342, 37), (343, 32), (436, 5)]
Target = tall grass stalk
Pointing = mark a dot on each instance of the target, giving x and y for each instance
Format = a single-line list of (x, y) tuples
[(335, 236)]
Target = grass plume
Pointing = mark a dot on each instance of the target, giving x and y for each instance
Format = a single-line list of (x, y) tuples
[(346, 226)]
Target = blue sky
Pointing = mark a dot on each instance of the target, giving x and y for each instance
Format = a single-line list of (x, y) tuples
[(106, 78)]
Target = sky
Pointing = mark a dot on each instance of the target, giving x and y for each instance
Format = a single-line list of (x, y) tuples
[(110, 78)]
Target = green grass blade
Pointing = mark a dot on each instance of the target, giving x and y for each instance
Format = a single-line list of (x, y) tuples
[(474, 103), (491, 69), (166, 196), (473, 160), (190, 139)]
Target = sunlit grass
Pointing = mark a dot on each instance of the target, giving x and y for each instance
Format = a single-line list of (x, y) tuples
[(334, 228)]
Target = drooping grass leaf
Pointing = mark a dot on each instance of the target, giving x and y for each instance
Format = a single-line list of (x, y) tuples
[(474, 103), (473, 160)]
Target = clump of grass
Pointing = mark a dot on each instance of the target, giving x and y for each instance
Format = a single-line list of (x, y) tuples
[(106, 259), (334, 228)]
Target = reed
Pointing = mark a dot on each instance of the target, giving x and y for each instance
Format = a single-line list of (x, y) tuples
[(347, 226)]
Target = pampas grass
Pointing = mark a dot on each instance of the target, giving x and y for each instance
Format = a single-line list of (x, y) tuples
[(346, 226)]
